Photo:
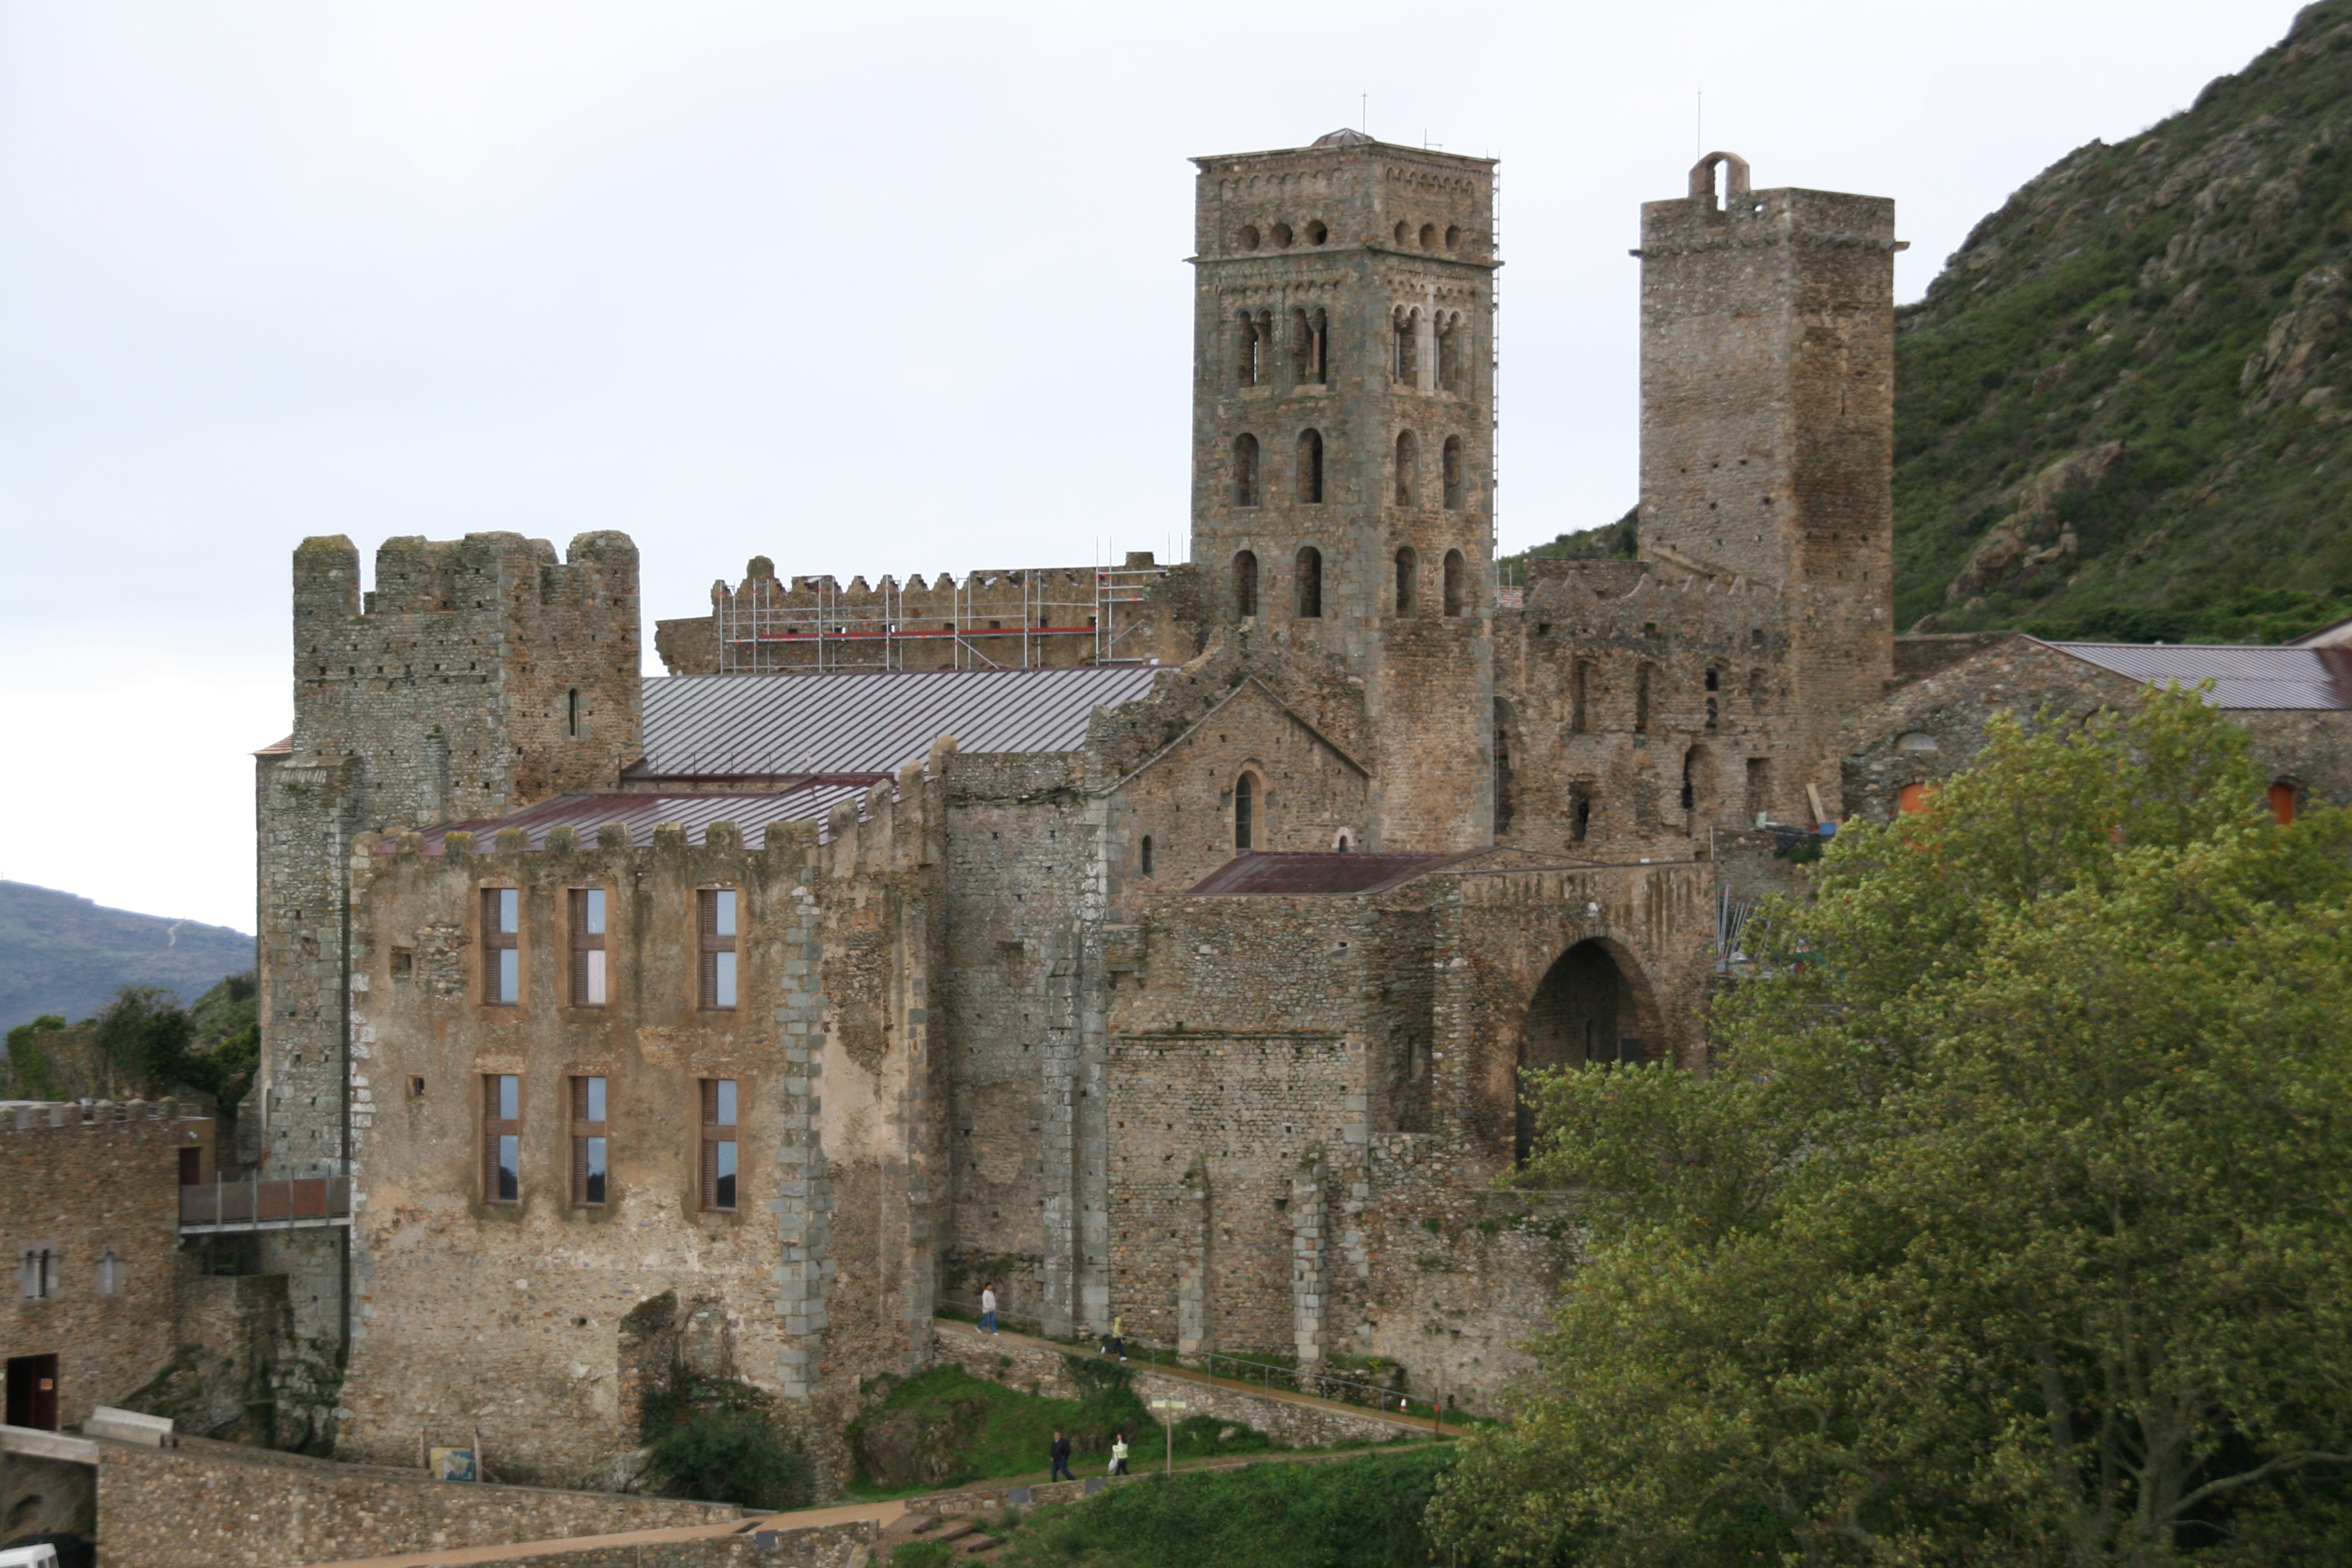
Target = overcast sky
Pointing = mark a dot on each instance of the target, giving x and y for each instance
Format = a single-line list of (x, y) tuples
[(874, 287)]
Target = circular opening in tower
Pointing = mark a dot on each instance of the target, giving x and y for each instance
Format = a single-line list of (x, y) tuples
[(1315, 233), (1282, 235), (1249, 236)]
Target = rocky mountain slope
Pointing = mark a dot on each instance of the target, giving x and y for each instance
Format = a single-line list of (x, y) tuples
[(2125, 409), (66, 955)]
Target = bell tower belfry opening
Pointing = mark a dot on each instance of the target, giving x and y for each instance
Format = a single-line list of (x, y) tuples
[(1343, 435)]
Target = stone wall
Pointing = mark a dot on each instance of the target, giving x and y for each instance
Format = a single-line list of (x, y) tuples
[(1297, 1424), (214, 1505), (95, 1193), (810, 1546)]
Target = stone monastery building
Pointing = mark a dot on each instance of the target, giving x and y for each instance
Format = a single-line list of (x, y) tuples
[(1155, 942)]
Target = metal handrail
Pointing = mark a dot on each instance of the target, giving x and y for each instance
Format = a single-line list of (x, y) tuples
[(283, 1200), (1389, 1399)]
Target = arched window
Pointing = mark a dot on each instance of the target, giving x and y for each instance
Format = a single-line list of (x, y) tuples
[(1579, 686), (1429, 236), (1245, 813), (572, 714), (1310, 465), (1914, 797), (1245, 470), (1408, 458), (1310, 346), (1451, 468), (1146, 854), (1457, 586), (1256, 364), (1310, 582), (1404, 362), (1580, 812), (1642, 700), (1400, 231), (1342, 845), (1245, 585), (1451, 344), (1408, 568)]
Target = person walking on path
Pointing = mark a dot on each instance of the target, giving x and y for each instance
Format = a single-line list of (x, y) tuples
[(1061, 1458), (988, 1309), (1118, 1454), (1118, 1338)]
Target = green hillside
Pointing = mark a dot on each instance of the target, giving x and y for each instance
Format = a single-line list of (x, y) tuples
[(65, 955), (2124, 409)]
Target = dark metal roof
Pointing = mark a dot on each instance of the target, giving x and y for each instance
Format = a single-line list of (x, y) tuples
[(753, 812), (2308, 678), (1290, 874), (705, 726)]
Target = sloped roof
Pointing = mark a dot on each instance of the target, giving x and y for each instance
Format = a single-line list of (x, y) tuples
[(871, 721), (753, 814), (2318, 679), (1290, 873)]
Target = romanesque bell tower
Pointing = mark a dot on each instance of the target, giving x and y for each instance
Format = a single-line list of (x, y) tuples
[(1343, 444), (1768, 423)]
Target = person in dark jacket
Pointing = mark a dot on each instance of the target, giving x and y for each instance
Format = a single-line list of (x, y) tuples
[(1060, 1458)]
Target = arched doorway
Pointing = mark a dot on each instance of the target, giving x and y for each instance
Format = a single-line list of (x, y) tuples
[(1583, 1014)]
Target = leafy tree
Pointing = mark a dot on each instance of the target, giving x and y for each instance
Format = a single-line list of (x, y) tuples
[(2010, 1224), (30, 1073)]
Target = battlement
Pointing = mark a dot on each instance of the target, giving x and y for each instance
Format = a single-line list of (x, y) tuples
[(44, 1115), (497, 573), (1005, 618)]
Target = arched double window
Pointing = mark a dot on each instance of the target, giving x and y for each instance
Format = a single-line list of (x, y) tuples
[(1310, 582), (1404, 362), (1310, 465), (1310, 346), (1458, 584), (1244, 584), (1408, 570), (1245, 470), (1256, 346), (1408, 462), (1453, 471)]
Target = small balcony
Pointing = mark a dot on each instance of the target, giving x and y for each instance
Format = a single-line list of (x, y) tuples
[(296, 1203)]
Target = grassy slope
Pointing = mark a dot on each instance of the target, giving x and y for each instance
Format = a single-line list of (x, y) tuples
[(1363, 1514), (63, 954), (2119, 296)]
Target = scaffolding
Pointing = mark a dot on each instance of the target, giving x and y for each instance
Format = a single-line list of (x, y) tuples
[(764, 628)]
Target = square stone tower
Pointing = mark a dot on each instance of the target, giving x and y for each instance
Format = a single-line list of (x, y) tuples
[(1343, 440), (1768, 421)]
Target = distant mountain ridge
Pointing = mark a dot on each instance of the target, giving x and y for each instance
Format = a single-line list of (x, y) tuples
[(2124, 407), (64, 954)]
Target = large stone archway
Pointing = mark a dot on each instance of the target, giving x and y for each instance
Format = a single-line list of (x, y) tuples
[(1586, 1013)]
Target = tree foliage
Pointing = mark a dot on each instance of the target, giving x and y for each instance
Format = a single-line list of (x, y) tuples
[(2009, 1225)]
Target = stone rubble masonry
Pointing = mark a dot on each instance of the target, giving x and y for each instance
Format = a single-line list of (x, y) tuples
[(1299, 1424), (83, 1186), (218, 1505), (846, 1545), (516, 1318)]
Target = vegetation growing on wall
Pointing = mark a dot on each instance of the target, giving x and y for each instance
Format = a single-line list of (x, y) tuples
[(142, 1044)]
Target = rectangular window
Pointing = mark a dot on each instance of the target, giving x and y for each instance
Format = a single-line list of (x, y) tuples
[(718, 948), (37, 1274), (501, 1138), (718, 1143), (114, 1273), (501, 957), (588, 985), (588, 1143), (1759, 789)]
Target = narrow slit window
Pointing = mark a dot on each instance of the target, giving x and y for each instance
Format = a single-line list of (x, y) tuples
[(1580, 684), (572, 714), (1580, 812), (1408, 568), (1642, 700), (1146, 854), (1245, 813), (1457, 586), (1245, 470), (501, 1138), (588, 1143), (502, 949), (719, 955), (1451, 462), (718, 1112), (114, 1273), (1244, 584), (1310, 582), (589, 986)]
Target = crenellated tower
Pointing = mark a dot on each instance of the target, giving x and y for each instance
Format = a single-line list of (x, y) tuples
[(1343, 445), (1768, 422)]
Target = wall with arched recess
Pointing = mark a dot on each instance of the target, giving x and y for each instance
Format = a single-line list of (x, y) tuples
[(1498, 932)]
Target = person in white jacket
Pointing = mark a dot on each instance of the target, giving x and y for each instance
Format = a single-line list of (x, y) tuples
[(988, 1309)]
